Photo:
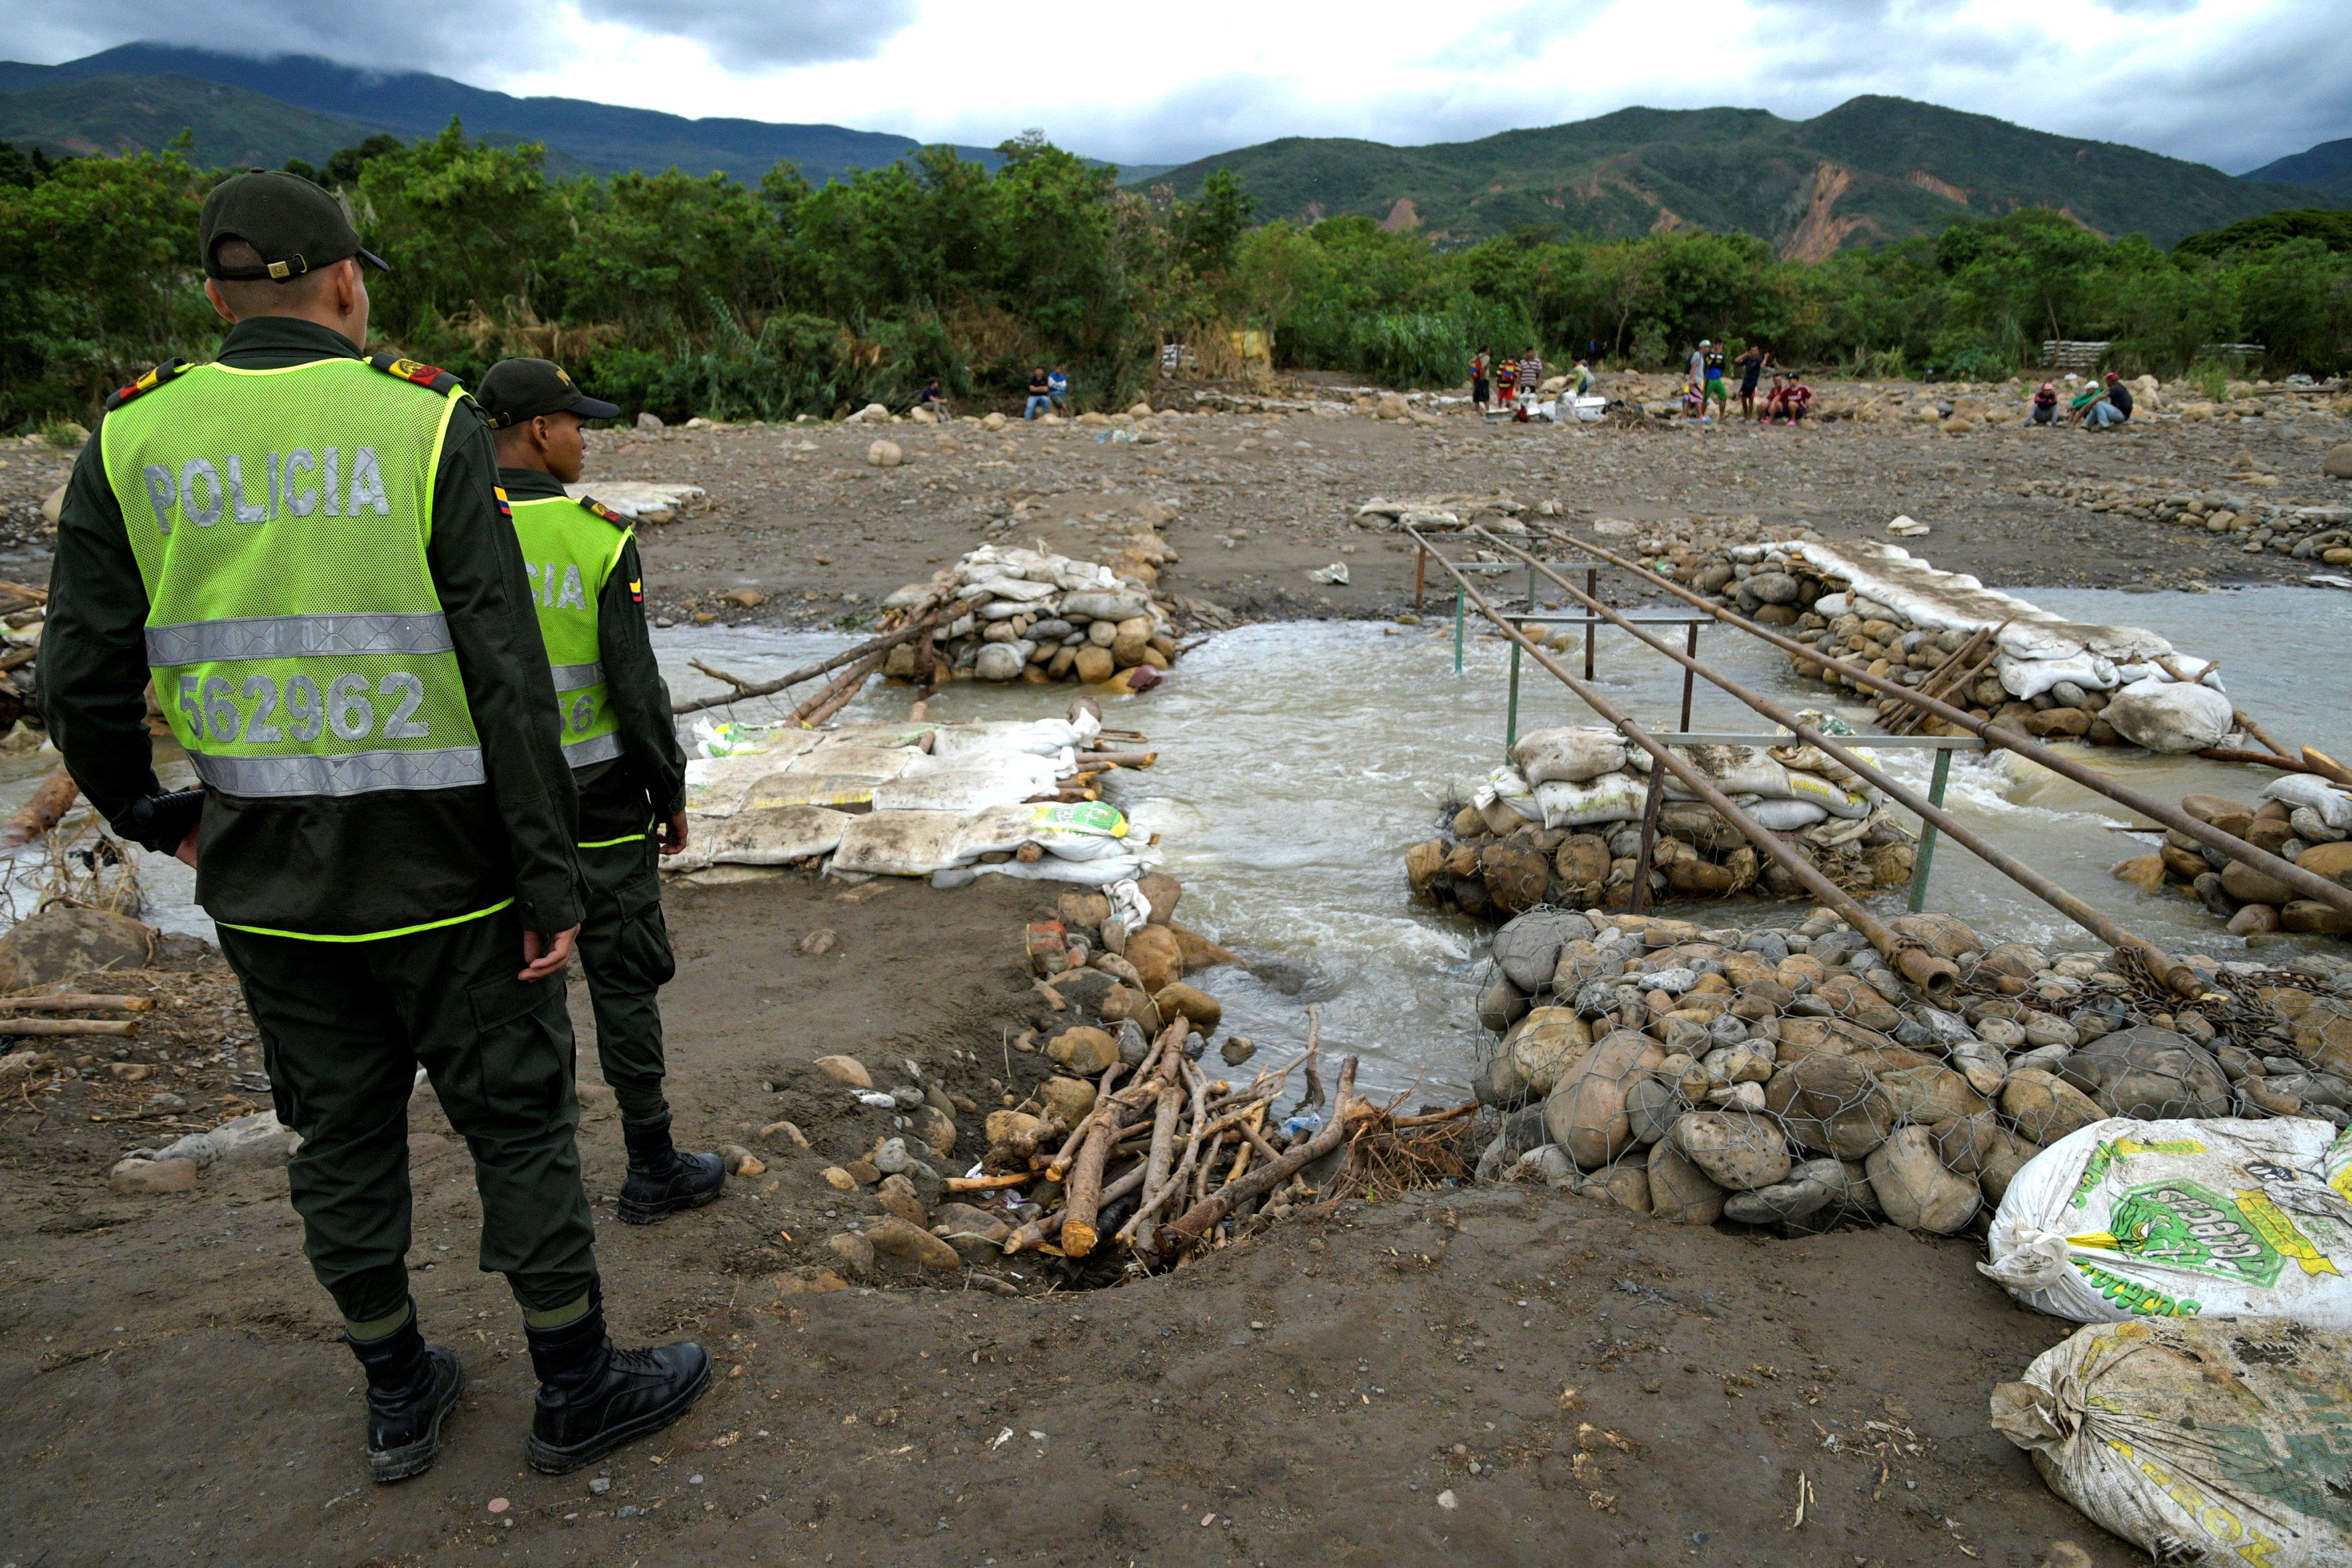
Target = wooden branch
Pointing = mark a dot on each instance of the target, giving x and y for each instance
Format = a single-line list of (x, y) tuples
[(1314, 1045), (2245, 721), (839, 693), (1078, 1233), (70, 1026), (73, 1001), (40, 814), (2317, 760), (988, 1183), (1468, 1108), (1163, 1140), (1204, 1217), (1038, 1230), (1176, 1181), (1058, 1167), (2257, 758), (923, 619)]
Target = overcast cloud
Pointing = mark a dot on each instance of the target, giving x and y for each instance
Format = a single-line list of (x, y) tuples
[(2231, 82)]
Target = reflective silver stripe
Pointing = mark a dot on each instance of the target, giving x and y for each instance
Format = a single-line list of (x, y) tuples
[(574, 677), (297, 637), (358, 773), (581, 753)]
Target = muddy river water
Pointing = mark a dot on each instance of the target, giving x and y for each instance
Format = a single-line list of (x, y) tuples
[(1298, 761)]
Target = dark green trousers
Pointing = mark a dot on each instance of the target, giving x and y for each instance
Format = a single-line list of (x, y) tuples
[(345, 1025), (625, 949)]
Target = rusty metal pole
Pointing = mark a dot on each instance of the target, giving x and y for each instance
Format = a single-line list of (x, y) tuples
[(1931, 811), (2308, 884), (1689, 674), (1640, 899), (1593, 592), (1930, 972), (1420, 575)]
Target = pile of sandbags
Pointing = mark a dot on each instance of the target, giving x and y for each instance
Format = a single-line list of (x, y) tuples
[(1791, 1078), (1876, 606), (1562, 826), (1027, 614), (2300, 817)]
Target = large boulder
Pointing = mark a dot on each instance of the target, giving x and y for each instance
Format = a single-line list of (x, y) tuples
[(58, 944), (1737, 1149), (2150, 1074), (1913, 1186), (1679, 1191), (1833, 1105), (1516, 873), (1586, 1111), (1528, 948), (1547, 1045), (2044, 1107)]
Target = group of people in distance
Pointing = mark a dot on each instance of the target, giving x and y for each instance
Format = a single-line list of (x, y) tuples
[(2100, 405), (1515, 386), (1786, 401)]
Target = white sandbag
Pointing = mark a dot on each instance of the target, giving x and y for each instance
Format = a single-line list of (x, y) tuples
[(917, 843), (2198, 1441), (874, 764), (1787, 816), (1612, 798), (767, 836), (1505, 798), (2026, 679), (778, 790), (2218, 1218), (968, 782), (1039, 737), (1834, 799), (2170, 715), (1120, 867), (2303, 789), (1734, 769), (1572, 754), (715, 786)]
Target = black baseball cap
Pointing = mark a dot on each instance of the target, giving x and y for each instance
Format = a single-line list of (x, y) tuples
[(296, 227), (515, 390)]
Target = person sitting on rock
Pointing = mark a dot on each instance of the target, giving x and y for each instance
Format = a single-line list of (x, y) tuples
[(932, 397), (2045, 406), (1039, 398), (2113, 407), (1057, 387)]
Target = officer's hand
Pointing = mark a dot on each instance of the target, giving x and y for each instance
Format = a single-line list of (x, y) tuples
[(543, 956), (187, 850), (673, 833)]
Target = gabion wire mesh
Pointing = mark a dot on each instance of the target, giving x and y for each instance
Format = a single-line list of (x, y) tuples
[(1790, 1078)]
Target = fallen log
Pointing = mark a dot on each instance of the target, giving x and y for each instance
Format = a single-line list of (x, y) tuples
[(988, 1183), (924, 619), (1202, 1216), (38, 815), (75, 1001), (70, 1026)]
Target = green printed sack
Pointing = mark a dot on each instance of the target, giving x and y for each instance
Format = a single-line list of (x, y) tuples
[(2212, 1442), (2127, 1219)]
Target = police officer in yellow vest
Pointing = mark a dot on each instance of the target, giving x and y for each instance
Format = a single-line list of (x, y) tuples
[(622, 743), (306, 551)]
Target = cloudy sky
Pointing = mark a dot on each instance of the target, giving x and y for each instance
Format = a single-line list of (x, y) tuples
[(2230, 82)]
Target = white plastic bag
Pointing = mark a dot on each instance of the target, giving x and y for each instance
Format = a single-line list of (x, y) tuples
[(2204, 1442), (2219, 1218)]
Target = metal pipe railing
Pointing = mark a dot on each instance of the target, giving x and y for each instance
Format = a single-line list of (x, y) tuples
[(2178, 976), (1934, 974), (2308, 884)]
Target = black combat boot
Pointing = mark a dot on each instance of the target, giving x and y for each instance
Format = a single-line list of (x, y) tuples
[(412, 1385), (662, 1181), (593, 1397)]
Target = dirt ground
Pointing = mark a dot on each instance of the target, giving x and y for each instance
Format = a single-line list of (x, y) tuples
[(1506, 1374), (1503, 1372)]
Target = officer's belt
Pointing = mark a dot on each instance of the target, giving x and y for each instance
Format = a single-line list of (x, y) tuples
[(297, 637), (581, 753), (354, 773), (576, 678)]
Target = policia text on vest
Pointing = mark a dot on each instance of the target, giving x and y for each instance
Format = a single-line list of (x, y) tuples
[(305, 552)]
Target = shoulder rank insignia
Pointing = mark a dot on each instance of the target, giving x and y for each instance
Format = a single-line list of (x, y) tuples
[(606, 512), (431, 378), (168, 370)]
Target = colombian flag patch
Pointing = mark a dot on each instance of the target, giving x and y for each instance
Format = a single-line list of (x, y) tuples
[(636, 592), (506, 510)]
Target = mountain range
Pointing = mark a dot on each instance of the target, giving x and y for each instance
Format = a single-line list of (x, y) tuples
[(1871, 170)]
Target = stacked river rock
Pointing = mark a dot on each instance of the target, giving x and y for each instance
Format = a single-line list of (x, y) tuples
[(1026, 614), (2299, 819), (1562, 826), (1790, 1077)]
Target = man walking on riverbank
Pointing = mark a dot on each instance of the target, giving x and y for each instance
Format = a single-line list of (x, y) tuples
[(613, 711), (307, 553)]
